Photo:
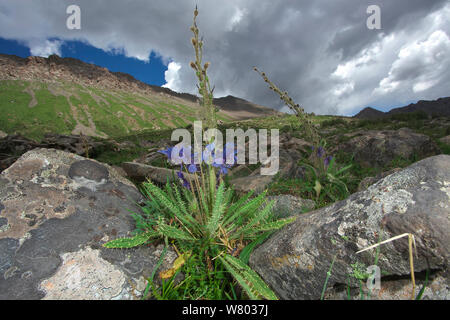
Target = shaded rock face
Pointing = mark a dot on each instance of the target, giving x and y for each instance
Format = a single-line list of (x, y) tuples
[(56, 210), (378, 148), (296, 259), (13, 146)]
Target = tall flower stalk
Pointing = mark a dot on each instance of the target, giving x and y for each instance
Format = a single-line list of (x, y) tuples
[(203, 86), (304, 118)]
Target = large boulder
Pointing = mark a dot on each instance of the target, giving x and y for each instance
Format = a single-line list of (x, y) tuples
[(375, 148), (56, 211), (296, 259)]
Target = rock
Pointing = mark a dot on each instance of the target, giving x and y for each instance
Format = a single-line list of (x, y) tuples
[(287, 168), (3, 134), (368, 181), (120, 171), (140, 172), (288, 205), (445, 140), (296, 259), (150, 157), (256, 183), (240, 171), (296, 143), (56, 211), (12, 147), (378, 148)]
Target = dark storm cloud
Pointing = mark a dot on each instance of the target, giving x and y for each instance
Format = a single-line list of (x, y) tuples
[(321, 52)]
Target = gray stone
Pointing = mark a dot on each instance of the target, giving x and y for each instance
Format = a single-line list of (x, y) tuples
[(141, 172), (256, 183), (375, 148), (288, 168), (287, 205), (59, 210), (368, 181), (296, 259)]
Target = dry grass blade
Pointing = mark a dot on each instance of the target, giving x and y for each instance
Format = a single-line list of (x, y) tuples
[(411, 244)]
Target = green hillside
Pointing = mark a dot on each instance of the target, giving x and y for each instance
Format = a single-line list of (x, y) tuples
[(36, 108)]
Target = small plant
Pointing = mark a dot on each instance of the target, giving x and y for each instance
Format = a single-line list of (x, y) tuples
[(206, 222), (325, 176)]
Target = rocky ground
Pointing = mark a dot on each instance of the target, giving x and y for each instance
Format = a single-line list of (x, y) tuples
[(398, 183)]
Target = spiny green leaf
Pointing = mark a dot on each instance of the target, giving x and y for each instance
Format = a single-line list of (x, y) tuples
[(274, 225), (173, 232), (218, 210), (245, 253), (125, 243), (254, 285)]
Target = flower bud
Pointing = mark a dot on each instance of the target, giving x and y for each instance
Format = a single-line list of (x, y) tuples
[(193, 66)]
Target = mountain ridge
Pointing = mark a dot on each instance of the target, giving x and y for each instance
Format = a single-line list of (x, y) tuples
[(439, 107), (55, 68)]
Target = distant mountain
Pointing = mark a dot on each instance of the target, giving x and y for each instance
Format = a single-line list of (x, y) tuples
[(369, 113), (439, 107), (65, 95), (242, 109)]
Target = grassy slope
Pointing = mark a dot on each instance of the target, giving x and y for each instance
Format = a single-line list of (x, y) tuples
[(61, 107)]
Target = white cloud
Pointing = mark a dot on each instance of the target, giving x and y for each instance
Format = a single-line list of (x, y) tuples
[(172, 77), (236, 18), (45, 48), (425, 85), (419, 65)]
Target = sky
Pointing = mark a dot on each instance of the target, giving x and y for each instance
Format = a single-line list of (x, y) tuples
[(320, 51)]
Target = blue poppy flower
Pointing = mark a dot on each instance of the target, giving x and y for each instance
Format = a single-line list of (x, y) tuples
[(320, 152), (167, 153), (192, 168), (327, 161)]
